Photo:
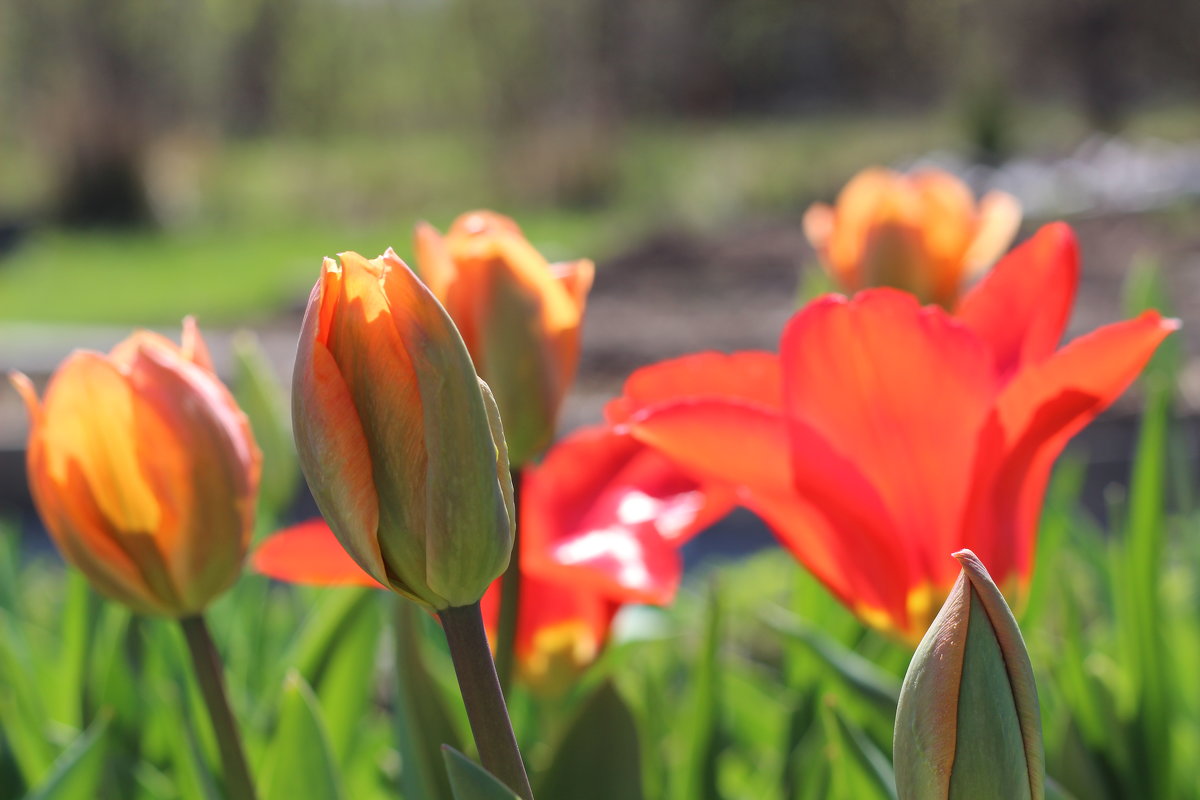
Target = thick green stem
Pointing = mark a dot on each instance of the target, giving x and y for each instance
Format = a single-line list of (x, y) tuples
[(510, 597), (207, 664), (486, 711)]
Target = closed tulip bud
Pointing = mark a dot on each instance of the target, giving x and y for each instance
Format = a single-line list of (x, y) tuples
[(519, 315), (145, 472), (968, 724), (398, 438)]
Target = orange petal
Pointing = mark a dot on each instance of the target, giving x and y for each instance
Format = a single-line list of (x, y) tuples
[(900, 391), (330, 440), (752, 376), (872, 196), (91, 488), (485, 240), (576, 277), (947, 218), (1037, 413), (199, 454), (193, 347), (456, 441), (24, 387), (997, 222), (308, 553), (1021, 307), (435, 265)]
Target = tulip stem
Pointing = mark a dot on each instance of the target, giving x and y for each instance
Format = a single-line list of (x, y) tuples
[(486, 711), (510, 597), (207, 663)]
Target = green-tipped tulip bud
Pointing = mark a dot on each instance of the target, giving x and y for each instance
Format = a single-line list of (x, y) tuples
[(398, 438), (968, 725)]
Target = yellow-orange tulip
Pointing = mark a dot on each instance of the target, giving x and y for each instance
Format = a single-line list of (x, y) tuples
[(145, 472), (399, 439), (519, 315), (922, 232)]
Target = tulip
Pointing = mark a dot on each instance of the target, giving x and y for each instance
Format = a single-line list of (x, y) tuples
[(398, 438), (144, 471), (886, 433), (920, 232), (603, 517), (968, 724), (519, 316)]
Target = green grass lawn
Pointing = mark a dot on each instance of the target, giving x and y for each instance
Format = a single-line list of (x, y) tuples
[(259, 215)]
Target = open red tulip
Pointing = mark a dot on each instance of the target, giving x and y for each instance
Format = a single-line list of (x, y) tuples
[(602, 519), (900, 433)]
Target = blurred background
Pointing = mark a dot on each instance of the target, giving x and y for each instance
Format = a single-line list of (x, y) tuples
[(159, 159)]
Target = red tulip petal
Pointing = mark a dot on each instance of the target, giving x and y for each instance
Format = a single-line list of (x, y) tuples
[(606, 512), (1022, 305), (826, 514), (1038, 412), (561, 628), (309, 553), (899, 392), (753, 376)]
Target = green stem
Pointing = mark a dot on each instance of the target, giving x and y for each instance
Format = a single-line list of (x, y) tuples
[(510, 597), (207, 664), (486, 711)]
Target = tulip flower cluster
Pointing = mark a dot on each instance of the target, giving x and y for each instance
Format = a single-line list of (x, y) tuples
[(895, 425)]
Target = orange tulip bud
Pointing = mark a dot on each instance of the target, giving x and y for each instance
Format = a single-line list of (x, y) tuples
[(145, 472), (398, 438), (519, 316), (921, 232)]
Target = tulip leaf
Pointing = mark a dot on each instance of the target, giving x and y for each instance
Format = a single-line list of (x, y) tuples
[(22, 715), (77, 773), (344, 684), (859, 771), (699, 775), (300, 762), (72, 664), (873, 684), (1138, 583), (599, 756), (422, 720), (872, 763), (1054, 791), (469, 781), (266, 406)]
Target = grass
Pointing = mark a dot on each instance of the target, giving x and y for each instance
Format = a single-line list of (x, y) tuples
[(247, 223)]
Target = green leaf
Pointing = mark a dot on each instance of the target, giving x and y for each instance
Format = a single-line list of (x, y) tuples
[(877, 687), (265, 402), (702, 742), (300, 761), (22, 713), (421, 719), (872, 763), (469, 781), (1138, 584), (346, 679), (77, 773), (78, 620), (599, 756)]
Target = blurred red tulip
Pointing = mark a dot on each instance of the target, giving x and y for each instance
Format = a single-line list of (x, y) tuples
[(145, 472), (603, 517), (901, 432), (921, 232), (519, 315)]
